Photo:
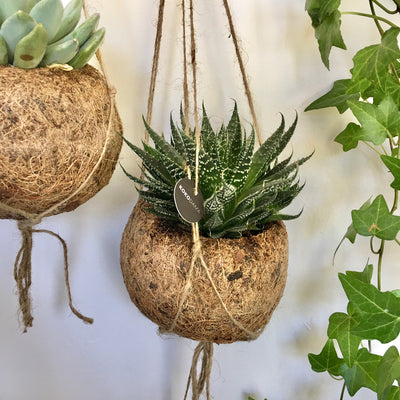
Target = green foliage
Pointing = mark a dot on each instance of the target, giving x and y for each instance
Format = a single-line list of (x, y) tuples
[(243, 190), (37, 33), (372, 95)]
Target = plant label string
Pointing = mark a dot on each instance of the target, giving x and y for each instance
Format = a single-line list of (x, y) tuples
[(190, 206)]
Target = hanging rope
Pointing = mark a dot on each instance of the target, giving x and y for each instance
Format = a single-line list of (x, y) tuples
[(242, 70), (27, 221)]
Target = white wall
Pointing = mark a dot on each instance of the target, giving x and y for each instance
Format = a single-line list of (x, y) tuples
[(121, 356)]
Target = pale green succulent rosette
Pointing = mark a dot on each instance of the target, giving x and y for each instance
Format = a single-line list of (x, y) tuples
[(38, 33)]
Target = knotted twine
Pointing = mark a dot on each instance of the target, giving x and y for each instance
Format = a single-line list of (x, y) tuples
[(200, 381), (27, 221)]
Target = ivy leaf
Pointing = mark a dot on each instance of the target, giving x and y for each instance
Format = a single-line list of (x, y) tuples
[(350, 136), (390, 87), (328, 35), (393, 164), (377, 121), (364, 276), (325, 17), (376, 220), (372, 62), (379, 312), (394, 393), (363, 373), (327, 360), (320, 9), (336, 97), (340, 326), (388, 372), (351, 233)]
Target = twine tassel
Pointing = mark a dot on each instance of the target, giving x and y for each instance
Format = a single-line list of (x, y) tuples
[(23, 271), (201, 381), (23, 274)]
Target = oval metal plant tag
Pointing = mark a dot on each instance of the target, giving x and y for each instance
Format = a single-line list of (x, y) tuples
[(190, 206)]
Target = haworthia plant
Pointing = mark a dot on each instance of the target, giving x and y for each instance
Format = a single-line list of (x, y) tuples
[(243, 189)]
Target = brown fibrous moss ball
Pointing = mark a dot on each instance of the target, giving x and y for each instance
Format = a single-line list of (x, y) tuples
[(53, 129), (249, 274)]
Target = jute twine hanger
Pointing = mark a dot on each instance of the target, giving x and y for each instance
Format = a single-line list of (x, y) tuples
[(27, 221), (204, 349)]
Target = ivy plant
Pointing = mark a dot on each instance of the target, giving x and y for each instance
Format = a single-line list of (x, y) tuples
[(372, 95)]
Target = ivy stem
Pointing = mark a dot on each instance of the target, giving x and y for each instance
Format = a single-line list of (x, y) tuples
[(376, 17), (395, 201), (378, 25), (380, 257), (374, 149), (380, 5), (342, 392)]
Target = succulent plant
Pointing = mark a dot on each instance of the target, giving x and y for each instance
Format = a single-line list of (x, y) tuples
[(37, 33), (243, 190)]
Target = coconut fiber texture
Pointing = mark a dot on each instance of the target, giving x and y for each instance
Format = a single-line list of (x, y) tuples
[(53, 129), (249, 273)]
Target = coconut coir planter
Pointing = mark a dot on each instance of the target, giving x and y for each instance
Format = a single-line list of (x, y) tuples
[(227, 291), (55, 126), (249, 273)]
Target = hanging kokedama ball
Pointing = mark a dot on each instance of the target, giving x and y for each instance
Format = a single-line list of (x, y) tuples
[(54, 127), (249, 274), (230, 291), (54, 123), (60, 132)]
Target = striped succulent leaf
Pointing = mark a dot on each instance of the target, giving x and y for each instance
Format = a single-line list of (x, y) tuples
[(37, 33), (243, 189)]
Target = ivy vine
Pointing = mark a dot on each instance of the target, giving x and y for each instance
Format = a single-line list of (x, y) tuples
[(372, 94)]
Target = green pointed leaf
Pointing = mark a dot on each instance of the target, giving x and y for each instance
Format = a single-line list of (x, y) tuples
[(389, 86), (388, 372), (234, 133), (177, 141), (336, 97), (340, 325), (372, 62), (209, 175), (363, 373), (318, 10), (269, 151), (326, 21), (327, 360), (154, 166), (393, 164), (350, 136), (379, 312), (364, 276), (377, 122), (167, 150), (205, 123), (394, 393), (376, 220), (240, 172), (351, 233)]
